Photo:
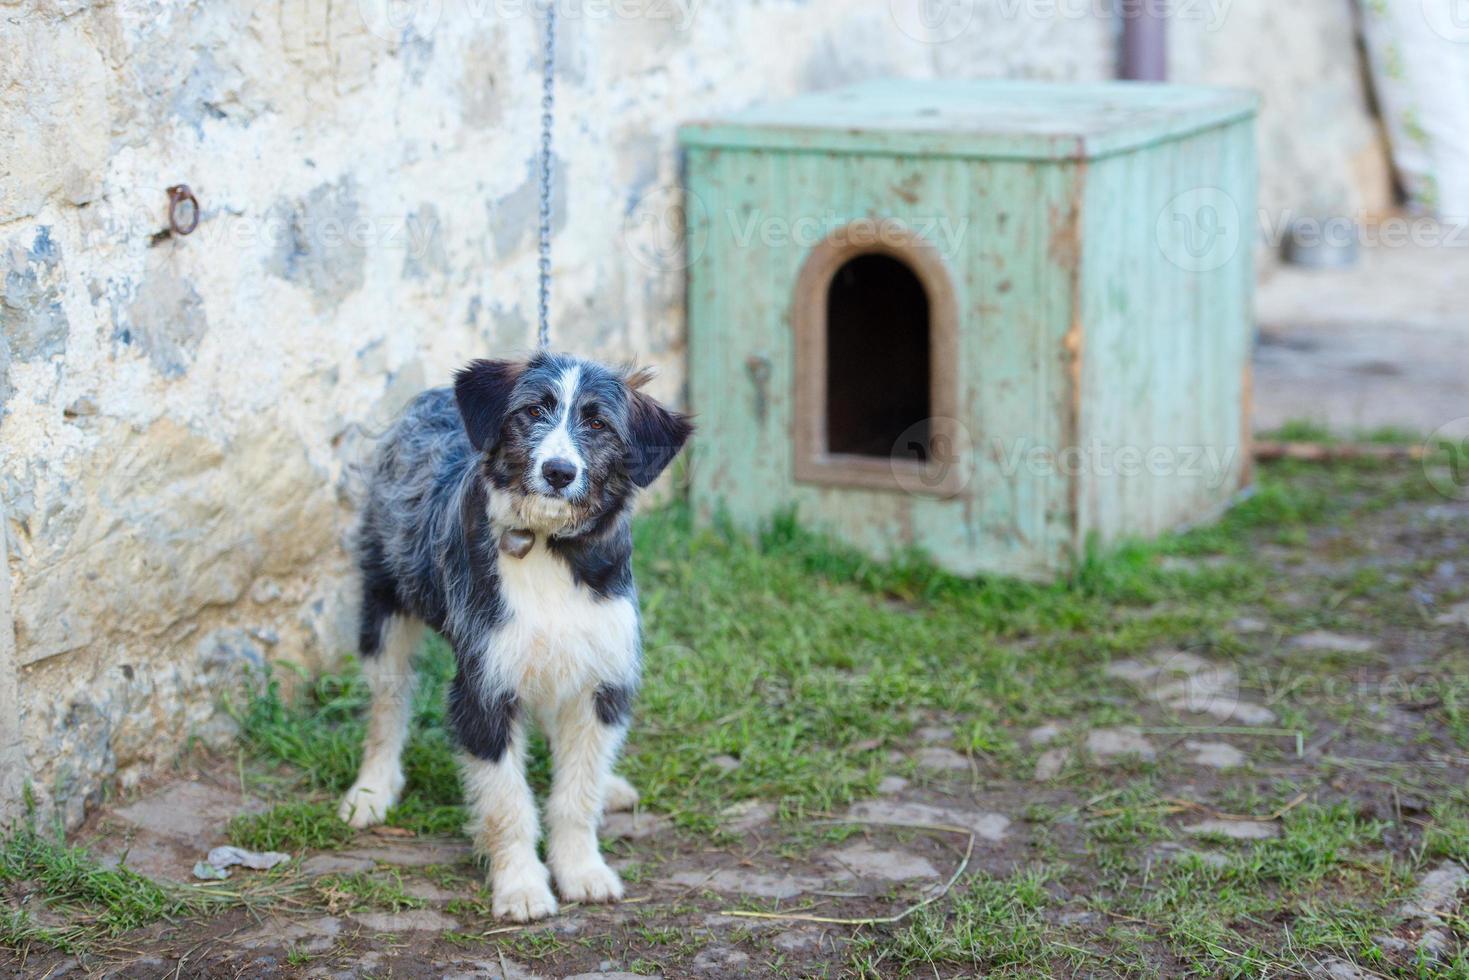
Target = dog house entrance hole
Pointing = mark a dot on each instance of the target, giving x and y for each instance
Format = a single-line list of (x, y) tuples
[(878, 357), (877, 362)]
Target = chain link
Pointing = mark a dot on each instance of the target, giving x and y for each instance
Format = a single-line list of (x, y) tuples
[(548, 107)]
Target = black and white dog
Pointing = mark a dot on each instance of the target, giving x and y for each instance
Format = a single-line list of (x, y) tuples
[(498, 514)]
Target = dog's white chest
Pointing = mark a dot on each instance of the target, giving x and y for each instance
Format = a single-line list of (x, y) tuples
[(557, 637)]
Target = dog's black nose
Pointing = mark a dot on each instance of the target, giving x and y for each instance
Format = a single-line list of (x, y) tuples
[(558, 472)]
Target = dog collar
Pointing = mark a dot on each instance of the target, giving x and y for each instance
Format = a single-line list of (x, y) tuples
[(517, 541)]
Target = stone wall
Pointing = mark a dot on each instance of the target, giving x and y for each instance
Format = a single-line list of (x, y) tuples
[(180, 415)]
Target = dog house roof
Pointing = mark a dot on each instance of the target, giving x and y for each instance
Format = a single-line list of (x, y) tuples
[(981, 119)]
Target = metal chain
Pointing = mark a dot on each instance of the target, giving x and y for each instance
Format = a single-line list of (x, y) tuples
[(548, 106)]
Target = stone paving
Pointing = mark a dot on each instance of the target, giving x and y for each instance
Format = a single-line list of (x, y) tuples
[(1379, 345), (1194, 726), (164, 832)]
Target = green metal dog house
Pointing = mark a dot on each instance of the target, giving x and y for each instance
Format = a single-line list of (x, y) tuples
[(987, 319)]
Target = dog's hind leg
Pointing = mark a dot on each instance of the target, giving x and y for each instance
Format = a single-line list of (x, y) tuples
[(388, 645), (621, 795)]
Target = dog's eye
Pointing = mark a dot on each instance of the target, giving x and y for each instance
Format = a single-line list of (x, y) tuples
[(536, 412), (597, 424)]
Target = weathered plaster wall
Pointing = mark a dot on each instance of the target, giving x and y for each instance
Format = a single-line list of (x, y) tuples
[(179, 416), (1322, 152)]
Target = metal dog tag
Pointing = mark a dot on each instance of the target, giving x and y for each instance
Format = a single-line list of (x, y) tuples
[(517, 542)]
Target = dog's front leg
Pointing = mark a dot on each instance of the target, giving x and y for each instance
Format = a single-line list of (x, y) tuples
[(502, 809), (585, 736)]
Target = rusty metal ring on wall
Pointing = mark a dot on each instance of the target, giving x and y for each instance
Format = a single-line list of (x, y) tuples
[(180, 194)]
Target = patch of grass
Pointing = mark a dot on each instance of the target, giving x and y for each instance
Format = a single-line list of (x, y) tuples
[(1129, 818), (19, 930), (1314, 841), (365, 890), (810, 663), (1448, 835), (1214, 916), (803, 659), (538, 945), (994, 926), (291, 827), (318, 734), (94, 900)]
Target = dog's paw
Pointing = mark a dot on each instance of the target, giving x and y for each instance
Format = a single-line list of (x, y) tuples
[(368, 801), (591, 882), (522, 896), (620, 795)]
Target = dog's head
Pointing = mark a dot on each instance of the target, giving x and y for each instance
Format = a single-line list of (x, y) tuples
[(565, 440)]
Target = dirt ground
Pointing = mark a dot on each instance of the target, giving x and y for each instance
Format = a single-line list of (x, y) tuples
[(1259, 772)]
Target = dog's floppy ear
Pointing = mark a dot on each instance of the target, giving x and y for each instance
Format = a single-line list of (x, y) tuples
[(655, 435), (483, 391)]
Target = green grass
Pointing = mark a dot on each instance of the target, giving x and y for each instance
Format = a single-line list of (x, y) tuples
[(806, 661), (291, 827), (801, 659), (1208, 918), (993, 926), (72, 886), (809, 664), (352, 892)]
